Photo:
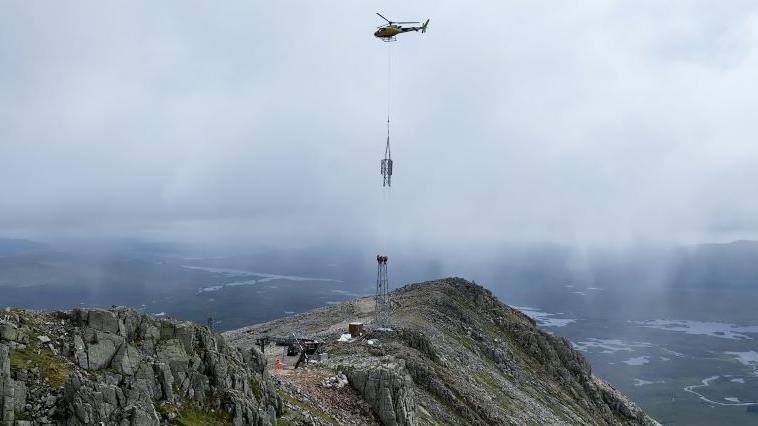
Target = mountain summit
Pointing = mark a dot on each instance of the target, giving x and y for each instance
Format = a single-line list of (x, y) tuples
[(455, 355)]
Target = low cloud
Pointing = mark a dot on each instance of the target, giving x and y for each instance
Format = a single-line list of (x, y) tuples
[(594, 122)]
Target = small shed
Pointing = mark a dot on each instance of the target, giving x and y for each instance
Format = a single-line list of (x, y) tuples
[(355, 329)]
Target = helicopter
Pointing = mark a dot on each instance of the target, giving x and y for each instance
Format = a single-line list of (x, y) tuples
[(388, 31)]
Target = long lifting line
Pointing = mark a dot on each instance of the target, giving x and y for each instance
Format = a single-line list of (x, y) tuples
[(389, 94), (386, 168)]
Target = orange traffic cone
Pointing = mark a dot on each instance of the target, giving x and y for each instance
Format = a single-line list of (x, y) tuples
[(278, 364)]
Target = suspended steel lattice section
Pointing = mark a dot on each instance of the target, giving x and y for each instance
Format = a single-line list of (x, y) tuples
[(386, 164), (382, 296)]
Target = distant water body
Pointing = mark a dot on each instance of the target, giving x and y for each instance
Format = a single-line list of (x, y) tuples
[(261, 277), (713, 329)]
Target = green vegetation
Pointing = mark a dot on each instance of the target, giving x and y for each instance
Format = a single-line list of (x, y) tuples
[(255, 386), (312, 410), (165, 409), (488, 381), (493, 388), (24, 416), (190, 415), (291, 418), (465, 341), (281, 421), (51, 367)]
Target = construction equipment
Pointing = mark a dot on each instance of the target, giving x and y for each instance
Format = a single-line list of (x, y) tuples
[(306, 348), (262, 342), (355, 329)]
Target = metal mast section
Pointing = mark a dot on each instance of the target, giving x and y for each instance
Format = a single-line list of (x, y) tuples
[(382, 296), (386, 166)]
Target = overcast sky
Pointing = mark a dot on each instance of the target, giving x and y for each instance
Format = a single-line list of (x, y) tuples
[(574, 122)]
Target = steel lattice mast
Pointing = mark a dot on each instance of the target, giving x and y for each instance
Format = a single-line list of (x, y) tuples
[(386, 165), (382, 296)]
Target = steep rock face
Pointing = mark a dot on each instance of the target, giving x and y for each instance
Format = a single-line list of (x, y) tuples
[(387, 389), (535, 373), (7, 387), (92, 366)]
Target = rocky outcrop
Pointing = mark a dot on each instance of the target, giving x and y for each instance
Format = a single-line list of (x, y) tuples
[(386, 387), (7, 387), (116, 366)]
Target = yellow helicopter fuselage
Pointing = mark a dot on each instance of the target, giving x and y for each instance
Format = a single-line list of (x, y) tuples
[(388, 31)]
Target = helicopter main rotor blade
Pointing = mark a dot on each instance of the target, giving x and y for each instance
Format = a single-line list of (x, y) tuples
[(414, 22), (381, 16)]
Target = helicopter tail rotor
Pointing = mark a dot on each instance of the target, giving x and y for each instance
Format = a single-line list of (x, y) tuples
[(423, 27)]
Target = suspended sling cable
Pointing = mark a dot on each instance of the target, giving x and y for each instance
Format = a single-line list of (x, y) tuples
[(386, 163), (389, 78)]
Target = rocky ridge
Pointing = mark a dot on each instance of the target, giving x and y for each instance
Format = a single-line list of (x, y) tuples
[(455, 355), (96, 366)]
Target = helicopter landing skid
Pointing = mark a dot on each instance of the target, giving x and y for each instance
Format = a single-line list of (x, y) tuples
[(389, 39)]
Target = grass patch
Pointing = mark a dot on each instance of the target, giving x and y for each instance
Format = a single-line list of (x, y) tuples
[(466, 342), (493, 388), (310, 409), (190, 415), (51, 367), (291, 419), (165, 408), (488, 381), (255, 386), (283, 422), (24, 416)]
